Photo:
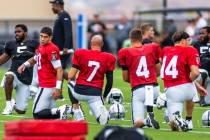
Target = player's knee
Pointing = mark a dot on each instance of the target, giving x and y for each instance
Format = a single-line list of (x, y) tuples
[(139, 123), (9, 79), (36, 115), (20, 111), (204, 76)]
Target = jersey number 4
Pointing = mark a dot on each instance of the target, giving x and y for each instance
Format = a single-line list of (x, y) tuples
[(171, 68), (96, 66), (142, 69)]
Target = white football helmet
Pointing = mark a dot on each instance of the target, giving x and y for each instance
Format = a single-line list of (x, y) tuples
[(117, 112), (161, 101), (115, 95), (206, 118)]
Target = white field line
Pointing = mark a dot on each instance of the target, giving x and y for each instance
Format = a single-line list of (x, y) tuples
[(197, 107), (18, 116)]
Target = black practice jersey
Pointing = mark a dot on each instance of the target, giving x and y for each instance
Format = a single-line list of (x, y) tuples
[(19, 53), (62, 31), (204, 52)]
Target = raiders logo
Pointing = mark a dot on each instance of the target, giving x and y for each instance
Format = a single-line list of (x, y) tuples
[(54, 56), (197, 60)]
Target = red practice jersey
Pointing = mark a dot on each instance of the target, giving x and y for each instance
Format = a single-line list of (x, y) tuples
[(176, 64), (141, 63), (46, 72), (93, 65)]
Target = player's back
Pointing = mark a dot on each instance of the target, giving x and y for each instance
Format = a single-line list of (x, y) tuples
[(176, 64), (141, 63), (93, 64)]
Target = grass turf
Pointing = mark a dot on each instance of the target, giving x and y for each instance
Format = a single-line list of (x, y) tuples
[(198, 133)]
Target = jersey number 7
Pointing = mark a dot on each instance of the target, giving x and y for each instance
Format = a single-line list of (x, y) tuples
[(96, 66)]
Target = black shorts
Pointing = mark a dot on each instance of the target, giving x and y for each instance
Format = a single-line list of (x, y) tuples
[(88, 90), (65, 61)]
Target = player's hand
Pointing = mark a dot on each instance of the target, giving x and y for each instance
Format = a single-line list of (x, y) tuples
[(202, 91), (56, 94), (21, 68), (65, 51)]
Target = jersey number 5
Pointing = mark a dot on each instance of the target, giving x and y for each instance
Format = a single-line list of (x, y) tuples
[(96, 66), (21, 49), (170, 68), (142, 69)]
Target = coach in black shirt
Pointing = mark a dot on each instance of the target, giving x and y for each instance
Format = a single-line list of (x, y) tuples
[(62, 37), (62, 30)]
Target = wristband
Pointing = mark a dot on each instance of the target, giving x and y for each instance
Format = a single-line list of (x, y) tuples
[(58, 84), (26, 64)]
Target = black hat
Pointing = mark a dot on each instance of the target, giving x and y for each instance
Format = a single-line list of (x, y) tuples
[(57, 1)]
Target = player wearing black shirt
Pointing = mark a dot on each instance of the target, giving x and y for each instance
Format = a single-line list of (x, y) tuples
[(62, 37), (18, 51), (203, 47)]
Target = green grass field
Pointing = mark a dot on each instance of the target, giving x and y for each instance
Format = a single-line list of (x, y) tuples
[(198, 133)]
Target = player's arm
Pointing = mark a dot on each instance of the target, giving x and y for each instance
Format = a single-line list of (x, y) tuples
[(72, 73), (59, 75), (75, 66), (4, 58), (194, 72), (109, 75), (109, 83), (67, 25), (157, 68), (7, 53), (122, 62), (125, 75), (201, 90), (29, 63)]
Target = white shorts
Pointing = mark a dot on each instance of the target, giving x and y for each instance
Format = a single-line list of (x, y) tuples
[(207, 98), (22, 91), (35, 77), (177, 95), (138, 102), (44, 100), (94, 102)]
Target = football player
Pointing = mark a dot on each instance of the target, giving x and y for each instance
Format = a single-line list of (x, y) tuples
[(203, 47), (139, 69), (18, 51), (92, 65), (50, 75), (179, 68)]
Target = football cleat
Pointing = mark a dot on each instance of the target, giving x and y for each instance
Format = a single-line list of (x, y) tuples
[(151, 122), (63, 111), (178, 120), (104, 116), (189, 124), (9, 108)]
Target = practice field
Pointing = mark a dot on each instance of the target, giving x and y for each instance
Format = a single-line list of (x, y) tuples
[(198, 133)]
